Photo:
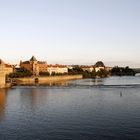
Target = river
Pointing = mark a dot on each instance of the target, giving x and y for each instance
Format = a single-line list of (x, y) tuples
[(87, 109)]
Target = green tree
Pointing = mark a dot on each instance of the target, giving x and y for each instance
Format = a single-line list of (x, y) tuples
[(22, 72)]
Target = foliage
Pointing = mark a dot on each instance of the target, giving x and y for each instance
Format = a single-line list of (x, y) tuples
[(102, 73), (87, 74), (74, 71), (53, 74), (119, 71), (44, 73), (58, 74), (21, 72)]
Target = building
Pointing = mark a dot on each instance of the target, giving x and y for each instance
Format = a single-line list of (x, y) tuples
[(87, 68), (99, 66), (108, 68), (57, 69), (5, 69), (34, 66), (8, 69)]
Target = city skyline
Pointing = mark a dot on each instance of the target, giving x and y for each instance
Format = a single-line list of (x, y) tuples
[(71, 32)]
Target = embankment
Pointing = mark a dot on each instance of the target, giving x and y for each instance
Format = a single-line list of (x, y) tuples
[(45, 80)]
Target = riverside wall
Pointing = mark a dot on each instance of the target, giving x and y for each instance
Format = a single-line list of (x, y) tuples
[(45, 79)]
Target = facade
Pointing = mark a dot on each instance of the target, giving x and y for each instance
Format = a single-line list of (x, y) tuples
[(8, 69), (87, 68), (34, 66), (108, 68), (57, 69), (4, 70), (99, 66)]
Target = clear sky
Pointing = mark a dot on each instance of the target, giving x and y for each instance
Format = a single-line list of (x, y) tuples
[(71, 31)]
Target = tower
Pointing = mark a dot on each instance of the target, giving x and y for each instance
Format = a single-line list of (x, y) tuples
[(34, 66)]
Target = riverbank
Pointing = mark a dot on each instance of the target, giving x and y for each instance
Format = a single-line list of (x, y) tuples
[(44, 80)]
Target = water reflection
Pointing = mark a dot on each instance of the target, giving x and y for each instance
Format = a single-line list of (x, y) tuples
[(2, 103), (79, 111), (31, 98), (121, 94), (97, 81), (61, 83), (108, 82)]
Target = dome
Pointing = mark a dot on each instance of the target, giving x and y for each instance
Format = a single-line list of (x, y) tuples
[(99, 64)]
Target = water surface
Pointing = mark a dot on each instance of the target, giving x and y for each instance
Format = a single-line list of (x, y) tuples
[(89, 109)]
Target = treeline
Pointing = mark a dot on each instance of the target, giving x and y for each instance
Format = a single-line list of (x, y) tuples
[(52, 74), (119, 71), (21, 72), (78, 70), (116, 71), (86, 74)]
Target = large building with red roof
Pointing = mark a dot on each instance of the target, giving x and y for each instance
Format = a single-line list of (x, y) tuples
[(35, 66)]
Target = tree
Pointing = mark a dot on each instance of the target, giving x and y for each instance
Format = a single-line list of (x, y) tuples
[(44, 73), (22, 72), (119, 71)]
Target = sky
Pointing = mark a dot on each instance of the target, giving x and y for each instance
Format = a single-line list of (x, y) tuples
[(71, 31)]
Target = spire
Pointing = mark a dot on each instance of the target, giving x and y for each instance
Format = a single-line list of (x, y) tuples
[(33, 59)]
